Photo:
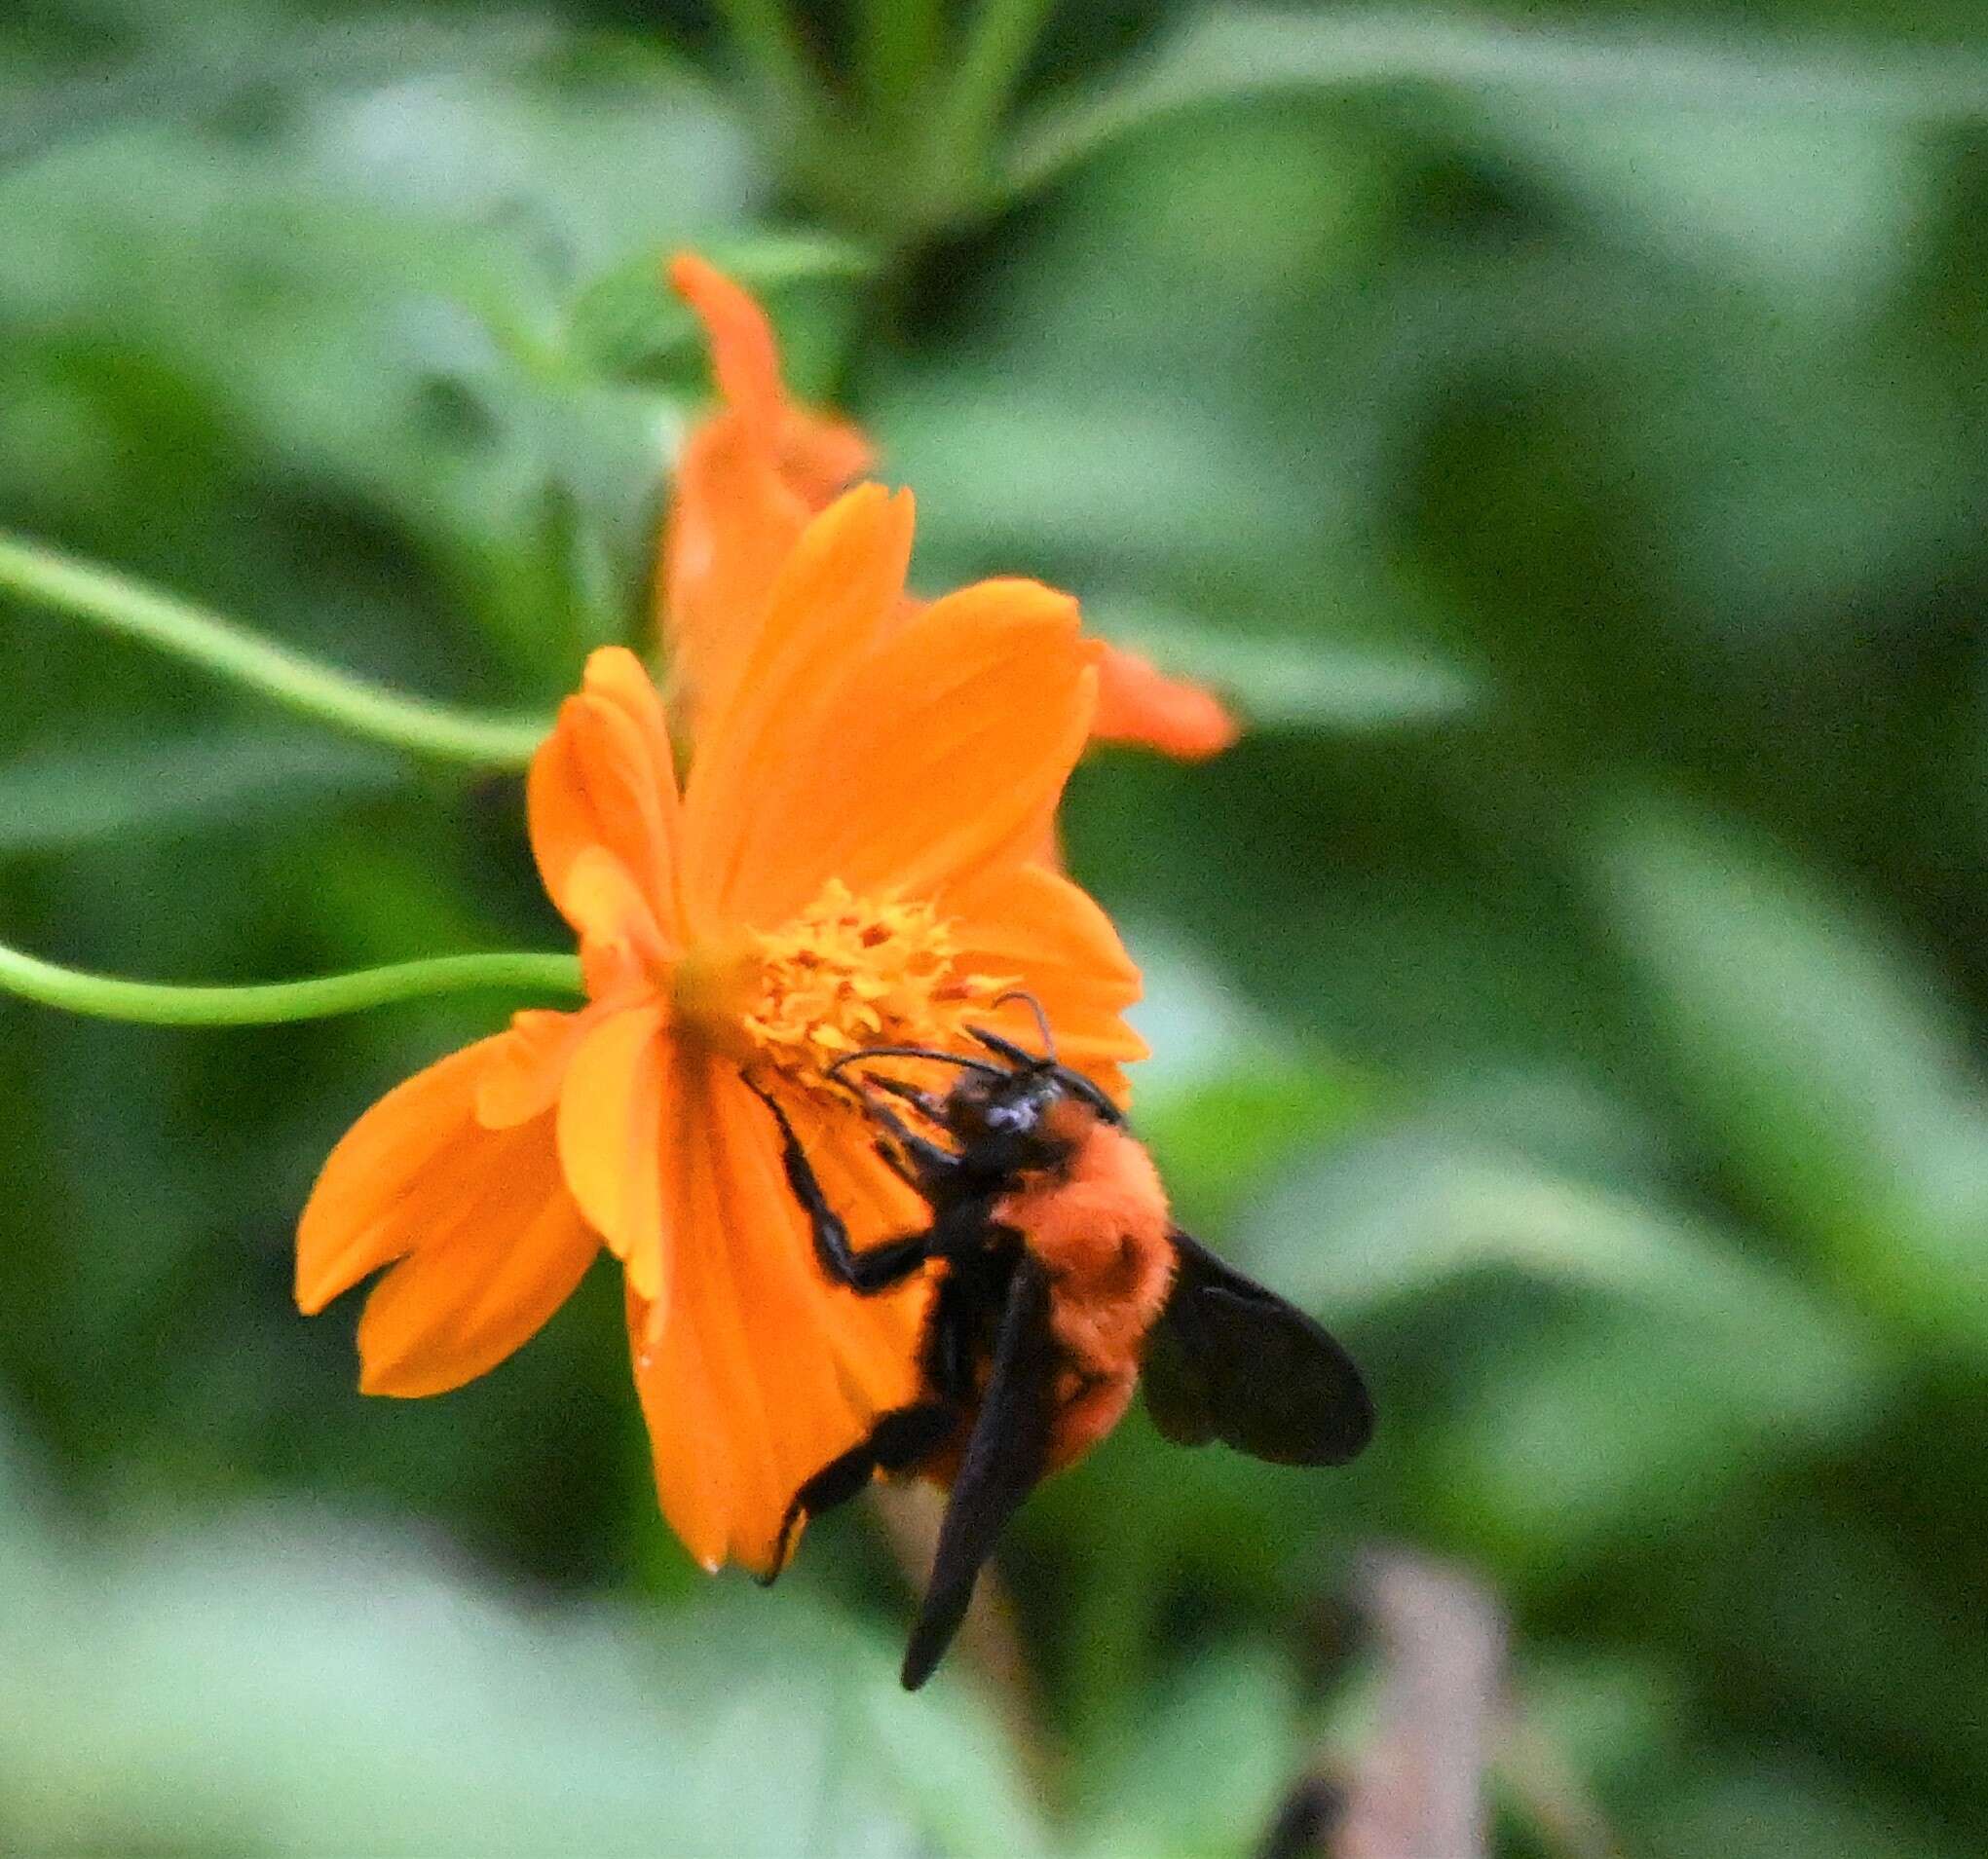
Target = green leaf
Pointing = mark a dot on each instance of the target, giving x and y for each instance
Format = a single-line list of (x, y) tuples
[(1236, 54), (1576, 1449), (283, 1681), (1777, 1804), (1819, 210), (189, 63), (1823, 1064), (394, 329), (58, 799), (1403, 1216), (1905, 1666), (1614, 1430), (951, 1765), (1162, 1793), (1339, 685), (1228, 1096)]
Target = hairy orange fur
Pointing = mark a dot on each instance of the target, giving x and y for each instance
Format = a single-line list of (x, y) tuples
[(1098, 1224)]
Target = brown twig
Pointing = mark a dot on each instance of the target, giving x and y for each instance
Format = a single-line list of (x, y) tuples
[(1417, 1790)]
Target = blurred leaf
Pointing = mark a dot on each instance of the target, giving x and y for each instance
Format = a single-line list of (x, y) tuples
[(1289, 683), (1202, 1772), (1778, 1805), (1013, 467), (1678, 1361), (53, 799), (1610, 1716), (1399, 1217), (1823, 1064), (283, 1682), (1216, 1140), (1630, 1426), (1238, 53), (192, 61), (394, 261), (1226, 1094), (1819, 209), (1829, 1618), (951, 1766)]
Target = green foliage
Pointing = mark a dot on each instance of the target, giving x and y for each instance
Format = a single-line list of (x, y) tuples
[(1567, 445)]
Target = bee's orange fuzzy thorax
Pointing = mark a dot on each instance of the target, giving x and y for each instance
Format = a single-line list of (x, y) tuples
[(1101, 1228)]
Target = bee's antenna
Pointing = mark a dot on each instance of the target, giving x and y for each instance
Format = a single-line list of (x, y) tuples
[(912, 1052), (1034, 1006), (1020, 1057), (1091, 1093), (909, 1093)]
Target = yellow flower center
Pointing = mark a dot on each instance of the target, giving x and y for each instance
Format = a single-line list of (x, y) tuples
[(846, 972)]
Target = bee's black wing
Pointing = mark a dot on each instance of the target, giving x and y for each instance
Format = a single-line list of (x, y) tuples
[(1229, 1360), (1004, 1458)]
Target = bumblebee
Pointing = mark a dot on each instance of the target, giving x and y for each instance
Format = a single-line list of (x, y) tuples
[(1060, 1284)]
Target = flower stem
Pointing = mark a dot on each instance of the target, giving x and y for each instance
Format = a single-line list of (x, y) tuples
[(121, 606), (770, 42), (995, 51), (163, 1004), (897, 44)]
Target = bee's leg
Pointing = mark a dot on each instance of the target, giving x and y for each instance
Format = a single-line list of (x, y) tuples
[(931, 1108), (896, 1161), (899, 1441), (876, 1268), (918, 1159)]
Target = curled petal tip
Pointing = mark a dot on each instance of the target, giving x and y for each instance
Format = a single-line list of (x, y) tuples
[(609, 666), (1138, 703)]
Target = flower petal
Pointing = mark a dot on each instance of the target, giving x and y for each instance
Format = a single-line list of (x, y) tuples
[(484, 1276), (835, 595), (620, 946), (610, 1132), (1138, 703), (489, 1244), (744, 357), (687, 1438), (412, 1140), (747, 480), (768, 1366), (874, 1340), (1037, 926), (605, 777), (776, 1368), (525, 1071), (815, 454), (732, 523), (941, 753)]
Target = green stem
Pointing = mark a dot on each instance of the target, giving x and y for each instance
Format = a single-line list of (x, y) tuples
[(161, 1004), (120, 606), (992, 60), (767, 40), (898, 42)]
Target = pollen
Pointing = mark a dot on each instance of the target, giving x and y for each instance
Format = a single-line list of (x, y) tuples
[(848, 972)]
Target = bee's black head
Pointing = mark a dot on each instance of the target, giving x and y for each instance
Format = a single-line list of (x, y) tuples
[(1002, 1115), (1004, 1119)]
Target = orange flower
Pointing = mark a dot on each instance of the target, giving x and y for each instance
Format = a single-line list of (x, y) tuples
[(746, 482), (845, 865)]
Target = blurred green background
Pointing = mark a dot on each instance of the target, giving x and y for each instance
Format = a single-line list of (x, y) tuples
[(1563, 433)]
